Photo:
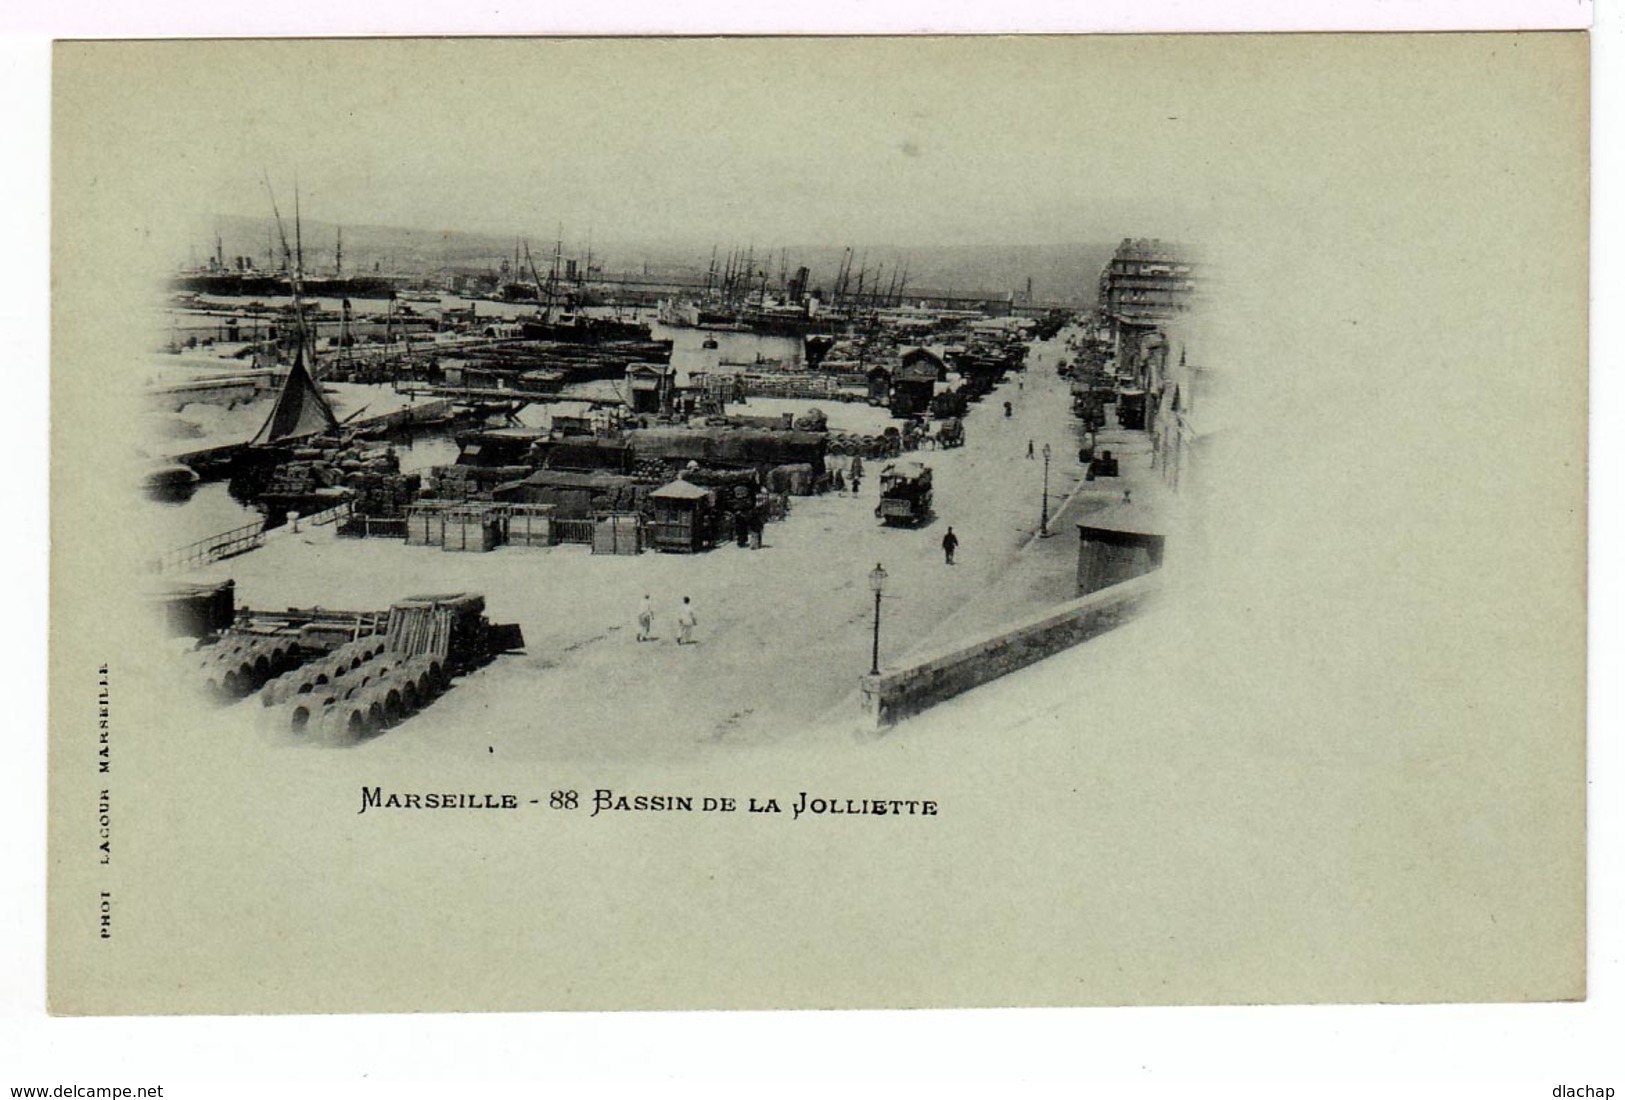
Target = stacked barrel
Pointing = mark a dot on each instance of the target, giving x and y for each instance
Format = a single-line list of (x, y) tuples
[(358, 690)]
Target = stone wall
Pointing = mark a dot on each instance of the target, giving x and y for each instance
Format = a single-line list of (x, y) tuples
[(897, 693)]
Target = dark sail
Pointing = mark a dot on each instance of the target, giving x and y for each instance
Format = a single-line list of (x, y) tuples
[(300, 410)]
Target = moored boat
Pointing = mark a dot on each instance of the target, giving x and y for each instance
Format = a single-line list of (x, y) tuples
[(170, 480)]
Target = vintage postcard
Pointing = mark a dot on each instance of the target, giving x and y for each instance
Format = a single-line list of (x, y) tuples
[(817, 523)]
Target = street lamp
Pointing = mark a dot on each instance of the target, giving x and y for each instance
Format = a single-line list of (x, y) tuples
[(1043, 523), (877, 585)]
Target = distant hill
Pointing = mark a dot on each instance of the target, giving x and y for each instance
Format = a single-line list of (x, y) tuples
[(1059, 272)]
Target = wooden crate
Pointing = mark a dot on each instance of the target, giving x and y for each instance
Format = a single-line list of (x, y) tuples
[(530, 525), (617, 533), (473, 529), (426, 526), (471, 534)]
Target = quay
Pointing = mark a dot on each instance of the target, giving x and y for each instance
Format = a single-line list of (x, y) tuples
[(643, 486), (800, 602)]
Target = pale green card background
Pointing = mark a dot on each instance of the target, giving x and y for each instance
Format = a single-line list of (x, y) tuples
[(1346, 764)]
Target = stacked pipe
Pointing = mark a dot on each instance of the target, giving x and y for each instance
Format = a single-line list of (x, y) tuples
[(239, 665), (302, 708), (316, 674), (371, 699)]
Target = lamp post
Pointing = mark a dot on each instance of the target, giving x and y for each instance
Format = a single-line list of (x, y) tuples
[(1043, 523), (877, 585)]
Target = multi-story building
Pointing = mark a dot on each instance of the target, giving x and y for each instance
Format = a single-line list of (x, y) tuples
[(1146, 282), (1170, 357), (1186, 402)]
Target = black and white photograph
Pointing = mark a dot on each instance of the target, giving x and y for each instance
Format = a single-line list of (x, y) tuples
[(694, 406)]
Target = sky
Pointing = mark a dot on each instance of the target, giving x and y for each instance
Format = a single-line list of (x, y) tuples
[(910, 143)]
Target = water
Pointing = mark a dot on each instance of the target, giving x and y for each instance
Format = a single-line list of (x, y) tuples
[(686, 342), (423, 450), (688, 352), (172, 523)]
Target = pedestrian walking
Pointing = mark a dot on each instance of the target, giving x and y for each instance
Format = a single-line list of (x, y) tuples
[(646, 619), (686, 622), (950, 543), (1029, 448)]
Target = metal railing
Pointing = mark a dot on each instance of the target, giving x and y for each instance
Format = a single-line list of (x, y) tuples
[(339, 511), (239, 540), (374, 527), (227, 544)]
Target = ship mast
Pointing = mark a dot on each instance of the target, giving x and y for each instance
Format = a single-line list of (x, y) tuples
[(532, 265), (298, 234), (553, 276), (294, 280)]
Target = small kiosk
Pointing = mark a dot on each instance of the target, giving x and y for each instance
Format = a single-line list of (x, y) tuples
[(1117, 544), (682, 518), (650, 386), (914, 382)]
